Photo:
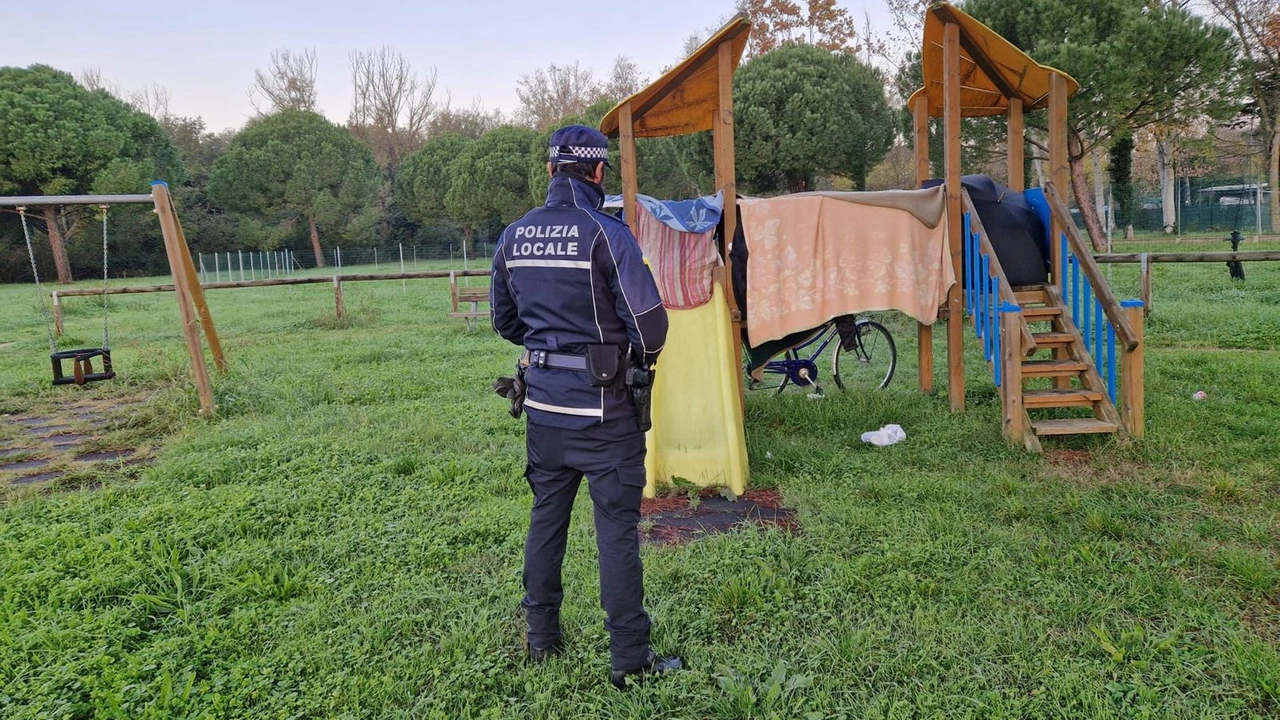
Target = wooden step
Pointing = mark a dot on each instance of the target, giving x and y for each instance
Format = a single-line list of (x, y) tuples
[(1041, 314), (1052, 368), (1078, 426), (1052, 339), (1071, 397), (1031, 297)]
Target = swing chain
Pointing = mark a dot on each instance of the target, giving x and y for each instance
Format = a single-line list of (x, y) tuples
[(105, 340), (44, 308)]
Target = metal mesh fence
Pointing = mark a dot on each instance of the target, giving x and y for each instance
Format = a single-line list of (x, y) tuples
[(1203, 212), (259, 265)]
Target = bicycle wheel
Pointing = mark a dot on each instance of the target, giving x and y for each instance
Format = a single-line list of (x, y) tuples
[(870, 363)]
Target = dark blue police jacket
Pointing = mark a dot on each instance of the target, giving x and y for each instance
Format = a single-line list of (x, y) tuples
[(565, 276)]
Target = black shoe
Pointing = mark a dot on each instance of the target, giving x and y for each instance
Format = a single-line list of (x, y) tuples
[(538, 655), (654, 665)]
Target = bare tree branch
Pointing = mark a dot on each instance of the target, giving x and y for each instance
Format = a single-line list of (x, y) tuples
[(546, 95), (391, 105), (152, 100), (469, 122), (288, 83)]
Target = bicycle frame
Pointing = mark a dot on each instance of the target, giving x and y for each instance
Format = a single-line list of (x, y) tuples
[(793, 367)]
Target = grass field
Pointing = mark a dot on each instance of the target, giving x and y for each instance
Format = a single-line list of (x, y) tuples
[(344, 539)]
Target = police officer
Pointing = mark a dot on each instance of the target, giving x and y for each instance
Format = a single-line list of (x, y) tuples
[(570, 285)]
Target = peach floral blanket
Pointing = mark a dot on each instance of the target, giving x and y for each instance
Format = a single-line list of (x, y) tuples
[(816, 256)]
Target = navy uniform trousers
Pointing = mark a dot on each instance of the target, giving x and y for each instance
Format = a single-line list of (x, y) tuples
[(611, 455)]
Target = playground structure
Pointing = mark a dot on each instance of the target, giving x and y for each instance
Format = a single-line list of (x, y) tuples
[(1095, 341), (191, 303), (970, 71)]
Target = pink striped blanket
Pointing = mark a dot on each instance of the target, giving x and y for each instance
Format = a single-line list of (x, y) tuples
[(681, 262)]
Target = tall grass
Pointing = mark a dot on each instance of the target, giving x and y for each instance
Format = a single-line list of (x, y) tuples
[(344, 538)]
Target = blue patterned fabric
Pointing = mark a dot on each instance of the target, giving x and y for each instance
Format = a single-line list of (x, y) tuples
[(692, 216)]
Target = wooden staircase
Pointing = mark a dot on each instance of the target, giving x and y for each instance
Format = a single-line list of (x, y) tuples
[(1059, 372)]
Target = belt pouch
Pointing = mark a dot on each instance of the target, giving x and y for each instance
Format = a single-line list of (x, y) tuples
[(603, 363)]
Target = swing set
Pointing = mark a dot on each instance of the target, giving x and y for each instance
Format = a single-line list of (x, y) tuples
[(82, 360), (191, 303)]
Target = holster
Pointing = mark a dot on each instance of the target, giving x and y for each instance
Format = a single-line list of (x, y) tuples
[(639, 382)]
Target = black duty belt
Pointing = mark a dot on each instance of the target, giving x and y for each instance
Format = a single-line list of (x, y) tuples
[(555, 360)]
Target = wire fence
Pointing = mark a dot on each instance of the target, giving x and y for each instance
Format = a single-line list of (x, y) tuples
[(1201, 212), (261, 265)]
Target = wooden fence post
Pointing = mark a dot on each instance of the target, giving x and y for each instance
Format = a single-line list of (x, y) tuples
[(57, 314), (1145, 292), (337, 295), (1011, 356), (1132, 392)]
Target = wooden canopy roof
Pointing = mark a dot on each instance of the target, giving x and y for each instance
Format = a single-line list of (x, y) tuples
[(685, 98), (992, 69)]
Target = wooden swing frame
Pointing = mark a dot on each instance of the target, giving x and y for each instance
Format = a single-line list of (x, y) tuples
[(196, 317)]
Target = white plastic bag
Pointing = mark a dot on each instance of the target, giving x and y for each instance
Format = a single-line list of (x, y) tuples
[(887, 435)]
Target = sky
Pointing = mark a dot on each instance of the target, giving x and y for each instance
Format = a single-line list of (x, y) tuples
[(204, 53)]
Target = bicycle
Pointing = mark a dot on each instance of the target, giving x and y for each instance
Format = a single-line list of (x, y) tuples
[(865, 357)]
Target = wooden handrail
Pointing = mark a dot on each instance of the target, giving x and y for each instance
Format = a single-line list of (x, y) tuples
[(1084, 256), (1006, 290)]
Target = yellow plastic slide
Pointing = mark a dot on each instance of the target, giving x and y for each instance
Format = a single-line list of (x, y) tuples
[(697, 429)]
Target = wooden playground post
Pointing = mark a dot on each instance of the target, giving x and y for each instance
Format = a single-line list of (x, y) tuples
[(1131, 390), (181, 284), (1017, 181), (726, 180), (1059, 172), (1059, 176), (1011, 355), (955, 303), (924, 333), (627, 145)]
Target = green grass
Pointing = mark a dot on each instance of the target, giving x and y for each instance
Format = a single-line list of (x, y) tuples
[(344, 539)]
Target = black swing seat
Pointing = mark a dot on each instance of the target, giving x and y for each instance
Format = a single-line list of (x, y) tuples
[(82, 366)]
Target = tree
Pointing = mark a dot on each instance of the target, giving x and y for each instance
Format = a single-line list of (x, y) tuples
[(469, 122), (205, 225), (908, 27), (424, 177), (1121, 171), (801, 112), (1256, 25), (58, 138), (1139, 62), (391, 104), (491, 178), (288, 83), (624, 80), (549, 94), (816, 22), (292, 165), (390, 110)]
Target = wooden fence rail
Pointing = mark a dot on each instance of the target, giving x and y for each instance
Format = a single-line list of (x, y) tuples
[(337, 281)]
